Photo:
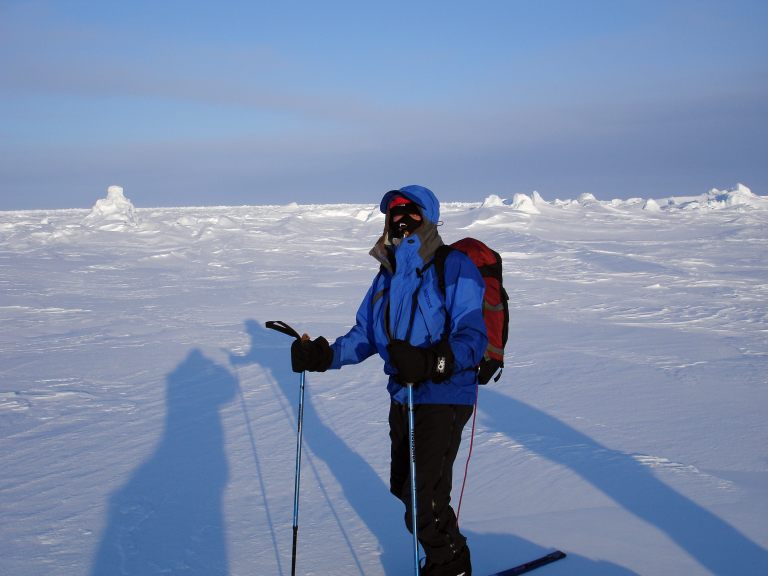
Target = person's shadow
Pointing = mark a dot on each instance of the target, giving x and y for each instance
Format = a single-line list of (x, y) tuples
[(368, 494), (714, 543), (168, 518)]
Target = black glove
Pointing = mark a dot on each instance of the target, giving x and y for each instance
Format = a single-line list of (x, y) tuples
[(312, 355), (488, 367), (416, 364)]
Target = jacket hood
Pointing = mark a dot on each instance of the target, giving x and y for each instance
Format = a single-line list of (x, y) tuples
[(423, 197), (427, 232)]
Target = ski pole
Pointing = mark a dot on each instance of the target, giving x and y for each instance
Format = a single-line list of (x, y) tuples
[(412, 443), (412, 450), (297, 475), (283, 328)]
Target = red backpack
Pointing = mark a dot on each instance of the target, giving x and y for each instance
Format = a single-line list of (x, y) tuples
[(495, 301)]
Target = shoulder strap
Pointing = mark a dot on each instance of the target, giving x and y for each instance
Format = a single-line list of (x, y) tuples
[(440, 255), (439, 260)]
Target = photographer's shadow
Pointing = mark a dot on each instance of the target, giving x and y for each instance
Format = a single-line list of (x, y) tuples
[(168, 517)]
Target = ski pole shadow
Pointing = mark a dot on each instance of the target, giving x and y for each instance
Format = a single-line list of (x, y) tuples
[(235, 360), (366, 492), (361, 485), (714, 543), (168, 517)]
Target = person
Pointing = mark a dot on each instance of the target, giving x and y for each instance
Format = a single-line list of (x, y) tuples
[(403, 318)]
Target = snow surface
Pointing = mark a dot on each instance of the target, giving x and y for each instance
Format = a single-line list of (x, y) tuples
[(147, 417)]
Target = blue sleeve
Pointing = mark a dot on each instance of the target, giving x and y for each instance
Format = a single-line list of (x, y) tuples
[(356, 345), (464, 290)]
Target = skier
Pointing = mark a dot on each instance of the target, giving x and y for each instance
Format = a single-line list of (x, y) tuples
[(403, 319)]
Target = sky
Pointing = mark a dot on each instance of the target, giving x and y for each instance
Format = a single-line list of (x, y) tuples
[(246, 102)]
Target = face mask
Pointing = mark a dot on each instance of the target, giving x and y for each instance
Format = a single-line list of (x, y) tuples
[(402, 219)]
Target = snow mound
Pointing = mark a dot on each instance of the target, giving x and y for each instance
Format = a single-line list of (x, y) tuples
[(651, 205), (738, 196), (187, 221), (374, 214), (227, 223), (525, 203), (520, 202), (492, 201), (112, 212), (363, 215), (586, 198)]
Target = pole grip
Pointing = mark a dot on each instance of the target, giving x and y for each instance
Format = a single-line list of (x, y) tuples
[(283, 328)]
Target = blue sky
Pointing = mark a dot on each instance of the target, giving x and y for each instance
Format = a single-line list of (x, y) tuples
[(247, 102)]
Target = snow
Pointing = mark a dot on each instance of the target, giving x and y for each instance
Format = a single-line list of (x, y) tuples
[(651, 205), (148, 419), (493, 201), (112, 211), (586, 198), (524, 203)]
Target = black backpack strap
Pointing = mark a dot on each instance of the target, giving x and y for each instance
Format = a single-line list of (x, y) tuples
[(439, 261)]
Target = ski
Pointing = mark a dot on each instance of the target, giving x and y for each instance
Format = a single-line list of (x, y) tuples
[(533, 564)]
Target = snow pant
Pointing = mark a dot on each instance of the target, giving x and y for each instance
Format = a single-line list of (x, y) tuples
[(438, 430)]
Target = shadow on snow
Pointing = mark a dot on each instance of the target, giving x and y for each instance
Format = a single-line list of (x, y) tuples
[(366, 492), (715, 544), (361, 485), (168, 517)]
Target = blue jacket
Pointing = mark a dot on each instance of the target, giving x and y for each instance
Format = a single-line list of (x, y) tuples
[(406, 270)]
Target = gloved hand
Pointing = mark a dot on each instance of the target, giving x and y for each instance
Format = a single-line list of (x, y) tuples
[(415, 364), (312, 355), (487, 369)]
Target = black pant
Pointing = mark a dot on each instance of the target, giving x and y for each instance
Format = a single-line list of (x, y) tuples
[(437, 437)]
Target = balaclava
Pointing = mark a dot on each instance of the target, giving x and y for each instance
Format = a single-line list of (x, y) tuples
[(411, 217)]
